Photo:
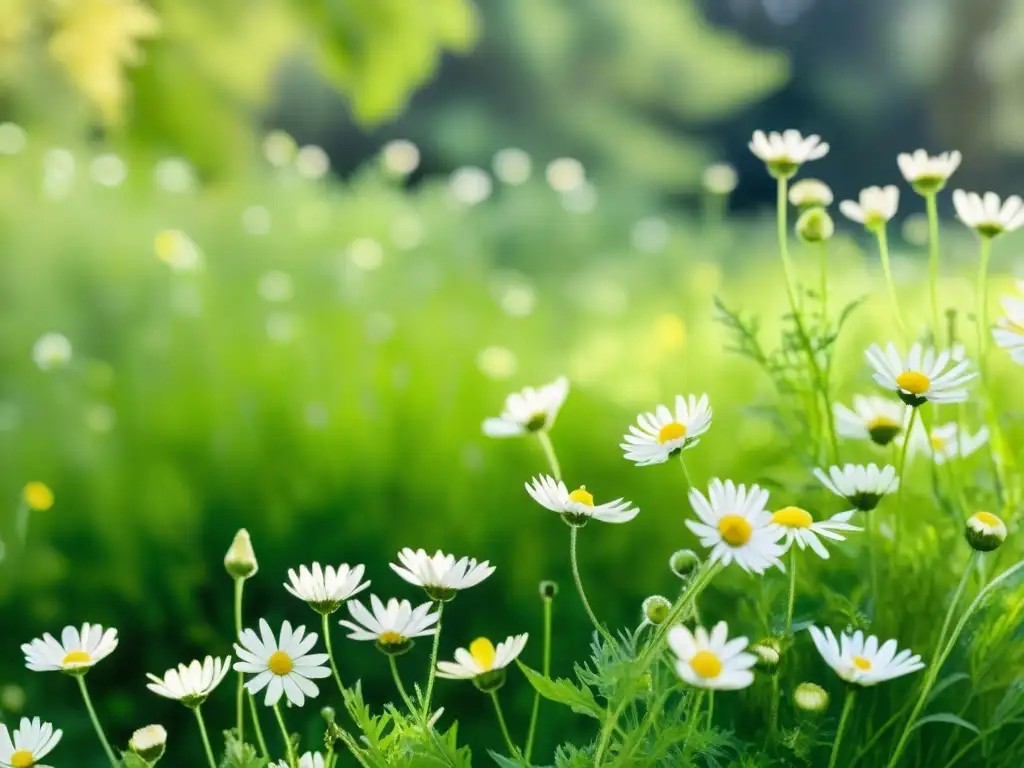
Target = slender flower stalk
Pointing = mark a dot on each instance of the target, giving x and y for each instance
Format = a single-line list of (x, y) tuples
[(573, 531), (843, 722), (902, 471), (289, 752), (548, 603), (433, 664), (206, 738), (933, 265), (792, 591), (330, 654), (686, 472), (398, 683), (549, 453), (883, 252), (240, 695), (984, 252), (96, 721), (512, 749)]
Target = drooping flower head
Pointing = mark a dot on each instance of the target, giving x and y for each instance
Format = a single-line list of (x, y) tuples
[(149, 742), (392, 627), (803, 530), (920, 377), (784, 153), (659, 436), (531, 410), (77, 651), (928, 174), (988, 215), (862, 661), (440, 575), (191, 684), (872, 418), (283, 664), (874, 208), (483, 662), (325, 589), (712, 661), (28, 744), (578, 507), (862, 486)]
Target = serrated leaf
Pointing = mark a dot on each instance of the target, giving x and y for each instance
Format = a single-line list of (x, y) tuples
[(505, 762), (947, 717), (563, 691)]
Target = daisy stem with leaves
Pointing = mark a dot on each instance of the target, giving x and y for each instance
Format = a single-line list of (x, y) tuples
[(433, 664), (548, 603), (96, 721), (843, 722), (398, 683), (512, 750), (289, 752), (206, 738)]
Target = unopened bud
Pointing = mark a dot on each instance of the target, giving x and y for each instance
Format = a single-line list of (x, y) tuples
[(683, 562), (240, 561), (149, 742), (328, 714), (810, 697), (768, 652), (656, 609), (985, 531), (810, 193), (815, 226), (548, 590)]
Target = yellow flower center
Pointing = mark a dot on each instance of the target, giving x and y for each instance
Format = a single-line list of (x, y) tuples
[(280, 663), (735, 530), (861, 663), (482, 651), (390, 638), (38, 496), (706, 664), (582, 496), (938, 442), (77, 657), (882, 422), (22, 759), (793, 517), (987, 518), (671, 431), (914, 382)]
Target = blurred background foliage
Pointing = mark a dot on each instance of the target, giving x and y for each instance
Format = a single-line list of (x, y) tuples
[(304, 341)]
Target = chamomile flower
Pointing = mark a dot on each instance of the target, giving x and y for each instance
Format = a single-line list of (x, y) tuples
[(947, 442), (531, 410), (31, 742), (785, 152), (482, 662), (928, 174), (810, 193), (862, 486), (875, 206), (862, 661), (577, 507), (712, 661), (871, 418), (659, 436), (1009, 330), (988, 215), (393, 626), (77, 651), (800, 527), (283, 665), (308, 760), (985, 531), (325, 589), (921, 376), (440, 575), (192, 684), (735, 524)]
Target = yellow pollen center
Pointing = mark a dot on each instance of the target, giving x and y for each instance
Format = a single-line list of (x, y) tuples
[(582, 496), (988, 518), (735, 530), (671, 431), (938, 442), (22, 759), (793, 517), (706, 664), (280, 663), (861, 663), (914, 382), (77, 657), (390, 638), (881, 422), (482, 651)]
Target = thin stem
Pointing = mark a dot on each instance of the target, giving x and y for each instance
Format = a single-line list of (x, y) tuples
[(548, 605), (792, 591), (398, 683), (933, 265), (873, 543), (782, 209), (694, 716), (21, 519), (96, 722), (823, 280), (206, 738), (433, 664), (686, 472), (501, 721), (606, 731), (902, 472), (549, 452), (257, 727), (579, 584), (330, 654), (847, 709), (240, 694), (711, 707), (289, 752), (985, 251), (955, 601), (883, 251)]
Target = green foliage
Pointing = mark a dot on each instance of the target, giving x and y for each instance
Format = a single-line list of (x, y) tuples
[(238, 754), (578, 698)]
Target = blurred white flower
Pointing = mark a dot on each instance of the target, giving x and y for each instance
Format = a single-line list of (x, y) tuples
[(401, 157), (875, 207), (177, 250), (872, 418), (927, 174), (256, 220), (470, 185), (650, 235), (988, 215), (497, 363), (174, 174), (12, 138), (530, 410), (312, 162), (58, 173), (366, 253), (946, 442), (1009, 329), (719, 179), (276, 286), (512, 165), (52, 350), (807, 193), (784, 153), (279, 148), (564, 174), (862, 486), (108, 170)]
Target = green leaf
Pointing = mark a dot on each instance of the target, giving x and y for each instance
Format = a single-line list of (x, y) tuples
[(132, 760), (945, 682), (947, 717), (564, 691), (505, 762)]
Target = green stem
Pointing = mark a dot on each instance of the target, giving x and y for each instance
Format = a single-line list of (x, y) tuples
[(398, 683), (902, 476), (823, 280), (257, 727), (985, 251), (883, 250), (792, 590), (692, 591), (686, 472), (549, 452), (96, 722), (694, 716), (206, 738), (933, 265), (843, 719), (606, 730), (21, 520), (955, 601), (433, 665), (711, 708), (873, 542), (579, 584), (330, 654), (240, 694), (501, 721), (289, 752), (548, 605)]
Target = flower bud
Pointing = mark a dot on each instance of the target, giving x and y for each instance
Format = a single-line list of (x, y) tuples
[(985, 531), (328, 714), (656, 609), (768, 652), (810, 697), (810, 193), (240, 561), (149, 742), (815, 226), (683, 562), (548, 590)]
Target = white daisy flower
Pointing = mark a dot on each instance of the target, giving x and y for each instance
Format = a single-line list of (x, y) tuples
[(192, 684), (810, 193), (875, 207), (441, 575), (921, 377), (282, 665), (988, 215), (663, 434), (1009, 330), (578, 507), (393, 626), (873, 418), (985, 531), (77, 651), (928, 174), (483, 663), (712, 661), (531, 410), (947, 442), (862, 661), (325, 589), (31, 742), (785, 152), (308, 760), (734, 522), (862, 486), (800, 527)]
